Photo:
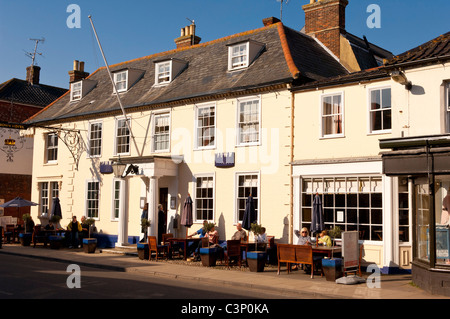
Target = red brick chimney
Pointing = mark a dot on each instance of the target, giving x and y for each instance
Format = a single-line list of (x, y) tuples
[(325, 20), (33, 73), (188, 37), (77, 73)]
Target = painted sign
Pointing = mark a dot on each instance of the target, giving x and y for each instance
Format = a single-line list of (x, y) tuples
[(350, 250), (224, 159)]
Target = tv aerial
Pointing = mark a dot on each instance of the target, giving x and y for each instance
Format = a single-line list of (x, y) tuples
[(33, 54), (281, 7)]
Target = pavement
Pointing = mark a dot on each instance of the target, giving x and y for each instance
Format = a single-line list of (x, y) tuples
[(295, 284)]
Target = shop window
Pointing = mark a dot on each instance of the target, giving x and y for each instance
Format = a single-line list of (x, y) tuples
[(352, 203)]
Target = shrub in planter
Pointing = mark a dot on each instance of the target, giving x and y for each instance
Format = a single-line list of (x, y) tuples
[(143, 252), (208, 256), (25, 239), (256, 260), (89, 245), (55, 241), (332, 268)]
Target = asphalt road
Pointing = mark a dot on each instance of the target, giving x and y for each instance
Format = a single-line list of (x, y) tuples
[(27, 278)]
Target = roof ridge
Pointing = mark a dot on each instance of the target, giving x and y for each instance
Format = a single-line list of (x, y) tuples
[(287, 51), (223, 39)]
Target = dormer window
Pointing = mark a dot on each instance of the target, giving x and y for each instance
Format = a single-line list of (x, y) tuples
[(242, 54), (166, 71), (75, 93), (79, 89), (126, 78), (120, 79), (163, 72)]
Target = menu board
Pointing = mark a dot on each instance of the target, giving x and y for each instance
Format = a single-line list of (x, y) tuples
[(350, 250), (442, 243)]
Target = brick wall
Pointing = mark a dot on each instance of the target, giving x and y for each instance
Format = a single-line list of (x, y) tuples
[(325, 19), (12, 186)]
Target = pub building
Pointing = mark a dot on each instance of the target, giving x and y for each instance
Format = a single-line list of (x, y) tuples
[(424, 161)]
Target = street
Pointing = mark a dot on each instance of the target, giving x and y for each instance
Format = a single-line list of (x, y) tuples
[(27, 278)]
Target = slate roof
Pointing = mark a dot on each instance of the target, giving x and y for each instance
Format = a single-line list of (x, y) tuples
[(438, 48), (289, 55), (20, 91)]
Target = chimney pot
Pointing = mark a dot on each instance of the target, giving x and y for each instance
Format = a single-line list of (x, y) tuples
[(77, 74), (187, 38), (270, 21)]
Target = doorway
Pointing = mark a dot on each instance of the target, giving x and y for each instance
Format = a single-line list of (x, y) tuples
[(163, 200)]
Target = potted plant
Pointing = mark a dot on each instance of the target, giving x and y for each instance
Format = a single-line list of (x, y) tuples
[(89, 244), (332, 267), (26, 237), (142, 248), (208, 254), (256, 259)]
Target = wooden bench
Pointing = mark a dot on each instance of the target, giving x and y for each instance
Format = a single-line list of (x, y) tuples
[(295, 254)]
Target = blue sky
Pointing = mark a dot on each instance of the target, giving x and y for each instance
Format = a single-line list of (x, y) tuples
[(132, 29)]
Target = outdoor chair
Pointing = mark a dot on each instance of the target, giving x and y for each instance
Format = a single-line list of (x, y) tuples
[(174, 247), (11, 230), (154, 247), (233, 250)]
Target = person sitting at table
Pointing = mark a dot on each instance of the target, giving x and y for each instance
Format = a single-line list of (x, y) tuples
[(49, 226), (324, 239), (84, 230), (194, 249), (74, 228), (262, 238), (304, 238), (240, 233), (213, 236)]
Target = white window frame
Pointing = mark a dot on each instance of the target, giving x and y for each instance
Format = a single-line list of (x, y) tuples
[(154, 135), (233, 54), (116, 136), (164, 77), (90, 139), (447, 96), (87, 199), (76, 91), (48, 191), (197, 127), (210, 175), (332, 115), (121, 84), (238, 121), (237, 197), (117, 198), (51, 148), (369, 110)]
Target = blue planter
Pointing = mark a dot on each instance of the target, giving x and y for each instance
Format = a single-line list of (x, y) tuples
[(332, 268), (143, 252), (256, 260), (55, 241), (208, 256), (25, 238), (89, 245)]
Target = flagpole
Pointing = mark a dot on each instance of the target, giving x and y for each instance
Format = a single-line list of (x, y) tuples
[(114, 84)]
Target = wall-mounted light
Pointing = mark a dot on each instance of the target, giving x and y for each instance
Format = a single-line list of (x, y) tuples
[(400, 77), (119, 167)]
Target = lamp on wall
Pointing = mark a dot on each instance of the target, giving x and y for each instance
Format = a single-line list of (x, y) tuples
[(119, 167), (400, 77)]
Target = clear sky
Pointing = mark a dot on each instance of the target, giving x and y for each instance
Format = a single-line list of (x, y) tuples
[(135, 28)]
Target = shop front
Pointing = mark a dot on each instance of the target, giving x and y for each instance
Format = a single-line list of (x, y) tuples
[(425, 161)]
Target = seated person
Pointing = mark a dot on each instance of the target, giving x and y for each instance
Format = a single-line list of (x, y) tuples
[(240, 234), (213, 236), (84, 230), (74, 228), (262, 238), (49, 226), (194, 248), (304, 238), (324, 239)]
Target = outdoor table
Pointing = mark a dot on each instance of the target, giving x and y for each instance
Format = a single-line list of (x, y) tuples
[(324, 250), (185, 241)]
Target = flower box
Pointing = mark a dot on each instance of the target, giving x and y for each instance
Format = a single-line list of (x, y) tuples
[(208, 256), (256, 260), (143, 252), (89, 245)]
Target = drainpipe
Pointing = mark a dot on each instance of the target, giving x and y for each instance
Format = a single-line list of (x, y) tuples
[(291, 180)]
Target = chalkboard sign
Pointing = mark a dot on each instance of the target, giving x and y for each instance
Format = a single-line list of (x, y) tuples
[(350, 250), (442, 243)]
